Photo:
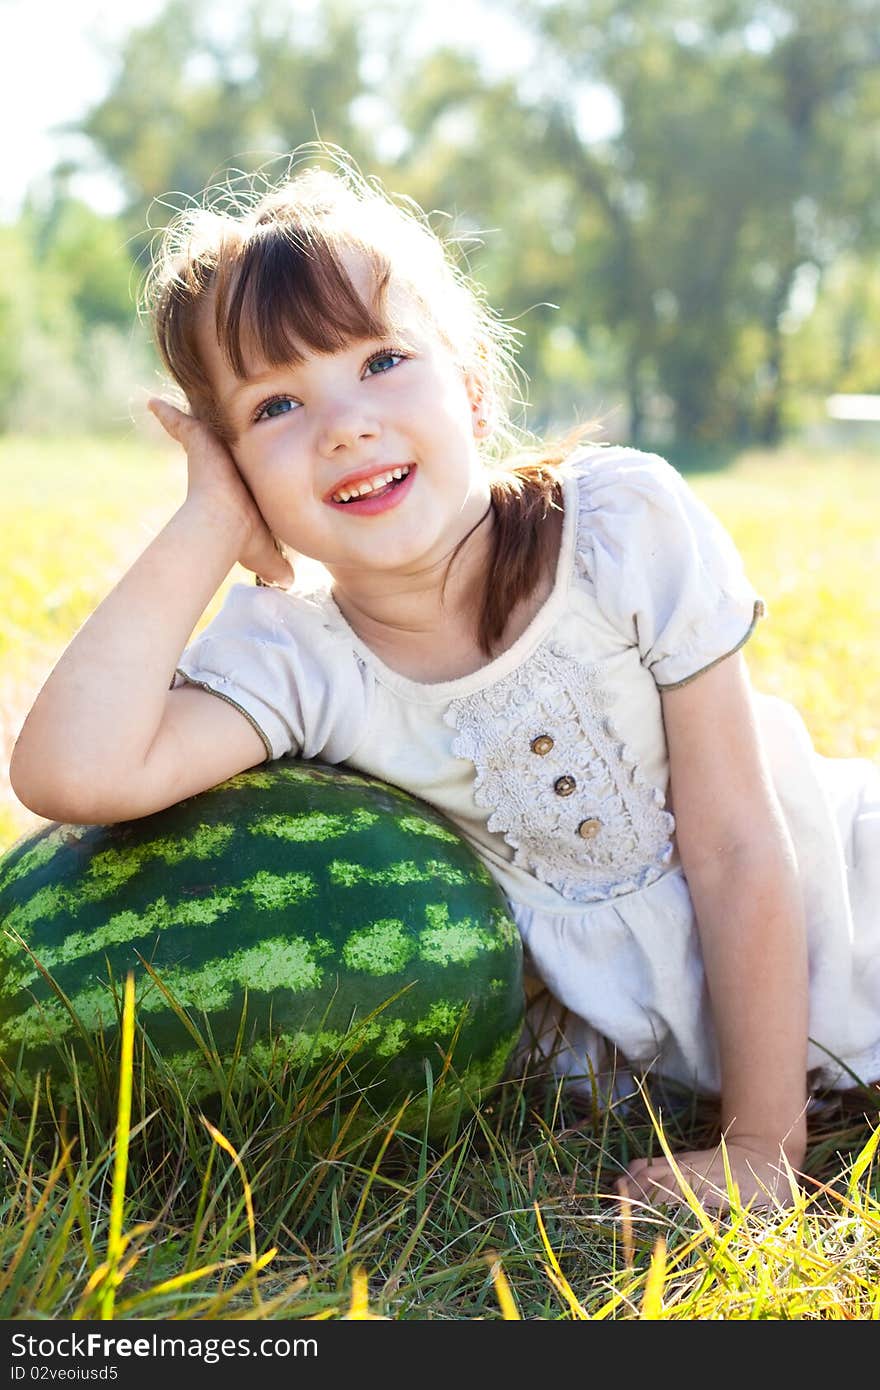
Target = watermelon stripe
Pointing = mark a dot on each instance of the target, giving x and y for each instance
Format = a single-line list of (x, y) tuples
[(272, 964), (277, 890), (383, 948), (110, 870), (50, 842), (264, 778), (284, 771), (285, 963), (459, 943), (314, 825), (45, 904), (123, 928), (440, 1020), (272, 892), (345, 873), (414, 826), (505, 927)]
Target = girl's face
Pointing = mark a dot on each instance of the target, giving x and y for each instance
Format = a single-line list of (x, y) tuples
[(394, 418)]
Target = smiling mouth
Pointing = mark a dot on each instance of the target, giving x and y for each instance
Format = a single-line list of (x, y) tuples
[(373, 487)]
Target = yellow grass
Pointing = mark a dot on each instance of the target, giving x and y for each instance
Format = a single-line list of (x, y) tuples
[(80, 512), (807, 527), (805, 523)]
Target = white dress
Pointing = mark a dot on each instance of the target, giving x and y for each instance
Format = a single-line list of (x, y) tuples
[(552, 761)]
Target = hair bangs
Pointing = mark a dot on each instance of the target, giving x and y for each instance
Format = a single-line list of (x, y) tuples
[(287, 293)]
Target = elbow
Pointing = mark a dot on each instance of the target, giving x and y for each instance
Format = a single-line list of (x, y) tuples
[(51, 796), (25, 785), (74, 796)]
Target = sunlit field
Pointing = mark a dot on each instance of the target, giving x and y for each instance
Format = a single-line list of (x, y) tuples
[(806, 524), (512, 1219)]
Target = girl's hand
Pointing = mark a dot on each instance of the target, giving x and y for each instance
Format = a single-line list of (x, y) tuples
[(759, 1175), (214, 481)]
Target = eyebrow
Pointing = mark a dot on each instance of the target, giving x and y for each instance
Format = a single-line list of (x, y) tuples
[(403, 341), (250, 381)]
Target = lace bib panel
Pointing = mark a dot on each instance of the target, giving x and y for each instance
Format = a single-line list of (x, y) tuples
[(562, 788)]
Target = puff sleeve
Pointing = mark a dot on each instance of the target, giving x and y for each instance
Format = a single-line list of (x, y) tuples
[(662, 568), (295, 678)]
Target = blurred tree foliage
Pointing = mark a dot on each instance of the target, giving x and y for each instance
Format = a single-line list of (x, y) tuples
[(706, 260), (71, 354), (747, 152), (189, 102)]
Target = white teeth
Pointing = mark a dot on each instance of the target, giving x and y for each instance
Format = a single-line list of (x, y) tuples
[(371, 484)]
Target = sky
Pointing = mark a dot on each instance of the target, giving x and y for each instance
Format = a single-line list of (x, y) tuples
[(53, 66), (56, 62)]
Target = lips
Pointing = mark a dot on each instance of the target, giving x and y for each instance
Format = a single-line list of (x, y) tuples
[(366, 481), (386, 488), (350, 491)]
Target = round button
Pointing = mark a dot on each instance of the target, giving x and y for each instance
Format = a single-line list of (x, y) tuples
[(564, 786), (589, 829), (541, 745)]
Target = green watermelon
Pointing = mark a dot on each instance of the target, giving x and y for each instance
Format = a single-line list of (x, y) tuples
[(293, 909)]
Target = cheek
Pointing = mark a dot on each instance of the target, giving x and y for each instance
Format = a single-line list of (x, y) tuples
[(443, 417), (266, 466)]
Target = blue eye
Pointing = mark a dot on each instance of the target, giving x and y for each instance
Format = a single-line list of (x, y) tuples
[(278, 407), (383, 357)]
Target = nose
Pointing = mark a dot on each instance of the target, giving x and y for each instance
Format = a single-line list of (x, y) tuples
[(343, 426)]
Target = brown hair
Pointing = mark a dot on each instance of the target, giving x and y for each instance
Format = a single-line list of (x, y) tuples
[(272, 261)]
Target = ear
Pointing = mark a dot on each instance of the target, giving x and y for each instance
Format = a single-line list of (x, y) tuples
[(475, 385)]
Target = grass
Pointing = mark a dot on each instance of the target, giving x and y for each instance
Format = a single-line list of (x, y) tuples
[(134, 1204), (806, 527)]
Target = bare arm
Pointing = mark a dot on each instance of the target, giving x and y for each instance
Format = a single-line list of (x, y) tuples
[(741, 872), (106, 739)]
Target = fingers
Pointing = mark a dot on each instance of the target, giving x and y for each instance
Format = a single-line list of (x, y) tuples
[(186, 429), (172, 420), (649, 1182), (212, 470), (653, 1182), (203, 446), (652, 1170)]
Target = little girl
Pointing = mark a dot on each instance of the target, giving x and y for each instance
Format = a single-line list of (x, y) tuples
[(546, 646)]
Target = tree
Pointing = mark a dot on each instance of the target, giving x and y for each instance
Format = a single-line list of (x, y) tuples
[(68, 355), (747, 149), (675, 246), (187, 105)]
